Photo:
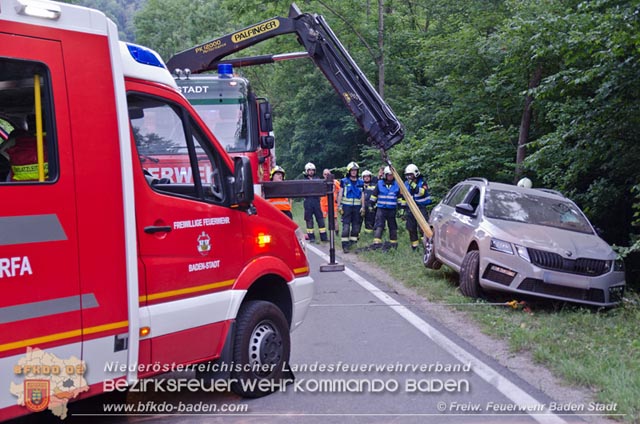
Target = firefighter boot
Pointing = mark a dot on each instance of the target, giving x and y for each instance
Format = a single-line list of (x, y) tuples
[(312, 237), (323, 236), (345, 246)]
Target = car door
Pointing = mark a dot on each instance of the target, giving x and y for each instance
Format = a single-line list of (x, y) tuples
[(41, 302), (189, 239), (447, 217), (463, 227)]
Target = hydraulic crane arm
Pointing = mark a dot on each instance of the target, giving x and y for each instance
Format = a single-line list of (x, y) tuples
[(363, 101)]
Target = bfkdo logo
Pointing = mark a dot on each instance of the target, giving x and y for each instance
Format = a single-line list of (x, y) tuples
[(45, 381), (36, 394), (204, 244)]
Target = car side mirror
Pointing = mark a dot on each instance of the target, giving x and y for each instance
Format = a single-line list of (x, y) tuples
[(465, 209)]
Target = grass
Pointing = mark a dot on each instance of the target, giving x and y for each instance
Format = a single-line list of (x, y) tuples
[(595, 349)]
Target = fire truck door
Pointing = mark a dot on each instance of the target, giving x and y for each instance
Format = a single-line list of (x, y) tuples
[(189, 241), (41, 301)]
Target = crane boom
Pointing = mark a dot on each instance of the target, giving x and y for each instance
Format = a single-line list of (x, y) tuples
[(372, 113)]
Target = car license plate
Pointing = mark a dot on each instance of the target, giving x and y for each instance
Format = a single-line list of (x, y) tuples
[(563, 279)]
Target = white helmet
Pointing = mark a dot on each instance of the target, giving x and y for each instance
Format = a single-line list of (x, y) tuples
[(367, 173), (352, 165), (309, 166), (412, 169), (525, 182), (387, 171)]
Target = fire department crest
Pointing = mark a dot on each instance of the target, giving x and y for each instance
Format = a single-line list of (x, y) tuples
[(36, 396), (204, 244)]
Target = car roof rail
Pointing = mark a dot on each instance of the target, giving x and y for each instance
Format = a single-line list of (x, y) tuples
[(548, 190), (484, 180)]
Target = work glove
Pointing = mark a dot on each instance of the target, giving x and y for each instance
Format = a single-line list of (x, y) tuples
[(341, 211), (362, 211)]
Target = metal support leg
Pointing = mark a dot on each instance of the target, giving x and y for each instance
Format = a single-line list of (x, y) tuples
[(332, 265)]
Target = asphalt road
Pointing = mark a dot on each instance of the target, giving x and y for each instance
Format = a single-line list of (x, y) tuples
[(364, 355)]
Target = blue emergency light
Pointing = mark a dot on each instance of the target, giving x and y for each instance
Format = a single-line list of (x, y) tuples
[(144, 55), (225, 70)]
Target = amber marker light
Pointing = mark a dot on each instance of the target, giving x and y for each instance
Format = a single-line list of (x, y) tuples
[(144, 331), (263, 239)]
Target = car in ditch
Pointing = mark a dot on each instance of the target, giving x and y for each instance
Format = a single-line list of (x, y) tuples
[(525, 241)]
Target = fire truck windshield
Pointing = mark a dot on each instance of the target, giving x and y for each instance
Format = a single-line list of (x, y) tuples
[(223, 105)]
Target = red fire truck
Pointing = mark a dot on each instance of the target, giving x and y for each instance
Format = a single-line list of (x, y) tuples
[(240, 121), (110, 271)]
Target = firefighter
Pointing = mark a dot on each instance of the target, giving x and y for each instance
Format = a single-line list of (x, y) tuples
[(324, 201), (312, 208), (281, 203), (369, 206), (417, 186), (23, 157), (387, 198), (351, 206)]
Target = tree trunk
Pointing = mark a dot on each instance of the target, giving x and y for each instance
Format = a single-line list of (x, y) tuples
[(380, 61), (525, 123)]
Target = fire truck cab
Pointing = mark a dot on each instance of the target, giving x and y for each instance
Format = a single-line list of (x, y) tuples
[(105, 262), (240, 121)]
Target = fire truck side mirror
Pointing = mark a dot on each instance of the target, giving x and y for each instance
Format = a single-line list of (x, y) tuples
[(267, 141), (242, 183), (266, 123)]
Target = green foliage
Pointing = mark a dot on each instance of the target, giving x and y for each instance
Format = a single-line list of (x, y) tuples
[(119, 11), (170, 26), (456, 73)]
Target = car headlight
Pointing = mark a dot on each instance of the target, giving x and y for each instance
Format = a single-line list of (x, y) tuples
[(618, 265), (523, 253), (501, 246)]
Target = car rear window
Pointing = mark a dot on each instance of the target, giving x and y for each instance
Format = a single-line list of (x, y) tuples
[(536, 210)]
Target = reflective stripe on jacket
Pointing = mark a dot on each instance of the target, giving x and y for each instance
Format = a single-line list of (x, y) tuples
[(352, 191), (387, 195), (420, 192), (282, 203)]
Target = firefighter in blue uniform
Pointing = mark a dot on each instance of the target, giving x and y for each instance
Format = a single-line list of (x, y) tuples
[(417, 186), (351, 206), (369, 206), (387, 198), (312, 208)]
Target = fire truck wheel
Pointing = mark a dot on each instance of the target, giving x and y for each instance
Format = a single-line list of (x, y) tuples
[(262, 347)]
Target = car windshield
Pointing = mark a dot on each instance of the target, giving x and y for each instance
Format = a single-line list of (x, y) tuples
[(537, 210)]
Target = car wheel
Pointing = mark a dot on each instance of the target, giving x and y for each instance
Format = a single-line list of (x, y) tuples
[(429, 259), (469, 275), (261, 349)]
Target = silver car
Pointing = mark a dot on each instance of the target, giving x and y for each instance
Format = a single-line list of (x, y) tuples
[(526, 241)]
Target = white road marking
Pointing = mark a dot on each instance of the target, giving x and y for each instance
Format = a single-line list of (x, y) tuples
[(511, 391)]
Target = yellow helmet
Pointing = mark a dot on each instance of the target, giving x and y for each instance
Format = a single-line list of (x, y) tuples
[(277, 169)]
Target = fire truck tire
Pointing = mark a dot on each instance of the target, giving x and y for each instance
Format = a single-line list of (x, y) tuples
[(261, 347)]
